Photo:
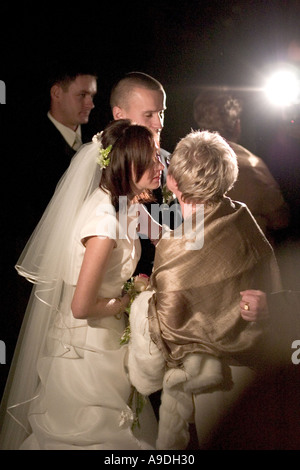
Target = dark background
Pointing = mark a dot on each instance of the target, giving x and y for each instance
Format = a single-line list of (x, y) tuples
[(184, 44)]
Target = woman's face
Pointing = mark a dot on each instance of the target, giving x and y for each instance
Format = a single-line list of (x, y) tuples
[(151, 177)]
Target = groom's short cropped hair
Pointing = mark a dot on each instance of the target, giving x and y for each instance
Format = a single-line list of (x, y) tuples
[(125, 86)]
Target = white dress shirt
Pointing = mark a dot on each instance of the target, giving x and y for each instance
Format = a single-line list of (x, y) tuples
[(72, 138)]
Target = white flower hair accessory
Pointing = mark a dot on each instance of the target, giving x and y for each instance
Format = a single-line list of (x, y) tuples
[(103, 159)]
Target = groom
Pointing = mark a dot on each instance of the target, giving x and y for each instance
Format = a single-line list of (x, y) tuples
[(142, 98)]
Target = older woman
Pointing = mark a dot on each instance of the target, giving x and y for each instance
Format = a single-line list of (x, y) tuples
[(192, 341)]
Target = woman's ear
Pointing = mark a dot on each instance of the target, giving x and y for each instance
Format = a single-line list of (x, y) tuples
[(172, 183)]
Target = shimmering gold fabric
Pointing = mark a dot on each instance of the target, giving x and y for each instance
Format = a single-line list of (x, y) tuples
[(195, 307)]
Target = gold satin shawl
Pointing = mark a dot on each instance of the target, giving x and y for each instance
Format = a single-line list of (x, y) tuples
[(195, 307)]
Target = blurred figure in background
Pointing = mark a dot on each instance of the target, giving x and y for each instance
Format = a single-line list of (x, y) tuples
[(221, 112)]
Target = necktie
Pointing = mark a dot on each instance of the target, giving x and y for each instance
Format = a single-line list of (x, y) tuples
[(77, 143)]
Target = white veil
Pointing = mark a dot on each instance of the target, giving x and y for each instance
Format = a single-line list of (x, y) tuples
[(43, 262)]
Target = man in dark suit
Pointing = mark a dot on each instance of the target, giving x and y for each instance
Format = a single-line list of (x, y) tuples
[(58, 135)]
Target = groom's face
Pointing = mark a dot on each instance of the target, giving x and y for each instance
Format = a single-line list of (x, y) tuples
[(144, 107)]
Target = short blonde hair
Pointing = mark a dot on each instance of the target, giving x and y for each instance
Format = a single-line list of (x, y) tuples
[(204, 167)]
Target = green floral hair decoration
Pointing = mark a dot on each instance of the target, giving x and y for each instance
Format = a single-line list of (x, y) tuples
[(103, 158)]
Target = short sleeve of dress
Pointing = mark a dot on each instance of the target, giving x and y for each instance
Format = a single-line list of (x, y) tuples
[(103, 226), (99, 219)]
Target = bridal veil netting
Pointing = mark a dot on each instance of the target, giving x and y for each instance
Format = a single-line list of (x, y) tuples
[(44, 262)]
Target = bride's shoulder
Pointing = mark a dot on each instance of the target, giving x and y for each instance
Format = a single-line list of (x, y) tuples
[(97, 206), (99, 201)]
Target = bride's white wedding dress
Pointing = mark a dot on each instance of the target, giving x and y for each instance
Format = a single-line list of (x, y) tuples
[(84, 387)]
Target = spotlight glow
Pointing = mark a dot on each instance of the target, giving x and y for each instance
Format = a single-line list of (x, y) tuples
[(282, 88)]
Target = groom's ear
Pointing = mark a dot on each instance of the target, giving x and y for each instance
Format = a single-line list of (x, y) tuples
[(118, 113)]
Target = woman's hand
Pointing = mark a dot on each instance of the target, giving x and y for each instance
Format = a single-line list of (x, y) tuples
[(253, 305)]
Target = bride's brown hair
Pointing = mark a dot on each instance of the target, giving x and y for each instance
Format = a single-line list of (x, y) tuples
[(132, 150)]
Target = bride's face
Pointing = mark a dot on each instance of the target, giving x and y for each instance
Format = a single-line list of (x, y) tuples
[(151, 177)]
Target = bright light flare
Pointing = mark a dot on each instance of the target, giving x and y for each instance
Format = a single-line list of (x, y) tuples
[(282, 88)]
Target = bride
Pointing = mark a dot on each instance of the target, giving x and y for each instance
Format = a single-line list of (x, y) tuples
[(68, 386)]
